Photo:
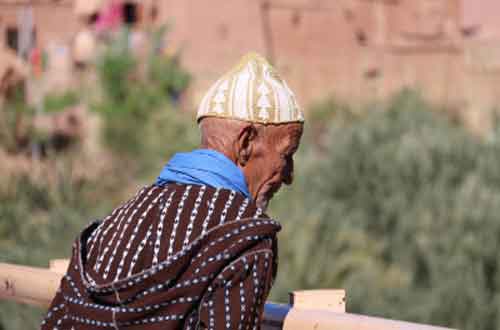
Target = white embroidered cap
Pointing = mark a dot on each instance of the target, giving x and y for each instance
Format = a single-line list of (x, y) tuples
[(252, 91)]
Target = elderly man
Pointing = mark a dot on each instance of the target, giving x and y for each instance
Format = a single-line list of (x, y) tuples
[(194, 250)]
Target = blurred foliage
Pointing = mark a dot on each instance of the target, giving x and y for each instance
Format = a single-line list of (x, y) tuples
[(14, 114), (395, 203), (43, 210), (165, 72), (55, 102), (38, 222), (134, 94), (17, 134), (400, 209)]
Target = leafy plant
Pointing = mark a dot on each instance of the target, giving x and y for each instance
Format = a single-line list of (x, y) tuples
[(55, 102), (15, 117), (401, 209), (43, 210), (131, 99)]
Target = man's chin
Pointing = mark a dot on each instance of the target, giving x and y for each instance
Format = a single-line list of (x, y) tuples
[(262, 202), (265, 196)]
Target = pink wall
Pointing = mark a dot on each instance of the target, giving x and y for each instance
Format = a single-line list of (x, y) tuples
[(482, 13)]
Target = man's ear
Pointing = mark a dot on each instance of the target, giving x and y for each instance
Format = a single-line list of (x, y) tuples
[(244, 144)]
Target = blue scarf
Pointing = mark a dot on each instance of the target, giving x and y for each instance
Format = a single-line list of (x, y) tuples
[(204, 167)]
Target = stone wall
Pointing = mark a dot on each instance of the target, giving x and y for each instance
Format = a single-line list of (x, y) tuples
[(54, 21), (354, 49), (357, 50)]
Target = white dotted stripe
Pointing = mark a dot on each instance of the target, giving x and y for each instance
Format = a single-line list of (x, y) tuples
[(256, 297), (119, 218), (156, 319), (190, 323), (242, 305), (211, 314), (73, 286), (161, 286), (180, 208), (165, 264), (255, 275), (60, 321), (126, 206), (226, 207), (97, 232), (258, 212), (91, 240), (107, 218), (134, 234), (140, 248), (129, 218), (124, 229), (255, 279), (51, 312), (231, 267), (227, 303), (147, 308), (235, 231), (243, 208), (264, 282), (266, 263), (159, 231), (93, 243), (211, 208), (94, 323), (225, 254), (192, 218)]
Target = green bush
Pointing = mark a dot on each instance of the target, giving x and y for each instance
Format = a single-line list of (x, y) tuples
[(165, 72), (132, 98), (16, 120), (15, 115), (400, 209), (55, 102), (41, 215), (39, 221), (397, 204)]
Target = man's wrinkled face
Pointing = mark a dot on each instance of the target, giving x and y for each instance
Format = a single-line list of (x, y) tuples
[(264, 153), (271, 162)]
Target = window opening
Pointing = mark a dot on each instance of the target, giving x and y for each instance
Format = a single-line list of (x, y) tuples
[(130, 14), (12, 37)]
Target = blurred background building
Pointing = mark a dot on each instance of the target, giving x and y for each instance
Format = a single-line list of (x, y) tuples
[(355, 49), (399, 207)]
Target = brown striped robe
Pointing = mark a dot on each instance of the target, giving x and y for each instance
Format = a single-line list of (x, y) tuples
[(172, 257)]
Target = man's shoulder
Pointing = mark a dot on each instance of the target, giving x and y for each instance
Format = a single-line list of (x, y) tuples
[(214, 205)]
